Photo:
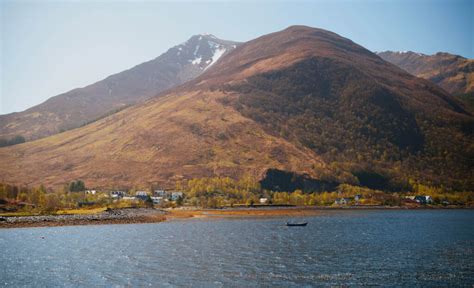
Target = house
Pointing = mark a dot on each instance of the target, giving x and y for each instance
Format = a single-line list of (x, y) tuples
[(157, 200), (176, 195), (340, 201), (343, 201), (118, 194), (263, 200), (357, 197), (92, 192), (160, 193), (142, 195), (423, 199)]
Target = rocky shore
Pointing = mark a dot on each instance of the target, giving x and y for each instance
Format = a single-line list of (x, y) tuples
[(110, 216)]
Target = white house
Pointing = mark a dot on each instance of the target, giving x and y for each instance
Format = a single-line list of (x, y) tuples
[(263, 200), (117, 194), (342, 201), (176, 195), (157, 200), (160, 193), (423, 199), (92, 192), (141, 193)]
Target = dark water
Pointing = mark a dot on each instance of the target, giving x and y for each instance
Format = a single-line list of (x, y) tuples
[(349, 248)]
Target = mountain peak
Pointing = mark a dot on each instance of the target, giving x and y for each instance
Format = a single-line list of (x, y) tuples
[(207, 35), (202, 50)]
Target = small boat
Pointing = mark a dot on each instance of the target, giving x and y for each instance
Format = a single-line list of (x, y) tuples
[(296, 224)]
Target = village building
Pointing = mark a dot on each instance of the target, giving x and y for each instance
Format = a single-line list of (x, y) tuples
[(343, 201), (160, 193), (157, 200), (176, 195), (142, 195), (263, 200), (423, 199), (117, 194)]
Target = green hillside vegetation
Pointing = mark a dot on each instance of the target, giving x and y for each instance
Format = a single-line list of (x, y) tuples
[(360, 126), (13, 141), (468, 100)]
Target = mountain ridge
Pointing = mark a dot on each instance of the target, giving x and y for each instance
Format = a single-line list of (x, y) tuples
[(453, 73), (115, 92)]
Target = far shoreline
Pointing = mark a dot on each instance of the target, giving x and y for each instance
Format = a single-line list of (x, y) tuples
[(153, 215)]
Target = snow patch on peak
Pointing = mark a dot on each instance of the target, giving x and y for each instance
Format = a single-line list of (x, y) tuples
[(208, 35), (197, 61), (196, 50), (217, 54), (409, 52)]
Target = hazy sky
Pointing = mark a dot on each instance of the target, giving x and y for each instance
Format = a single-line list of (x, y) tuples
[(51, 47)]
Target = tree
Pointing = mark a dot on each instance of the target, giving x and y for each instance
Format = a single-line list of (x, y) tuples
[(148, 201), (77, 186), (72, 186), (179, 201), (9, 142)]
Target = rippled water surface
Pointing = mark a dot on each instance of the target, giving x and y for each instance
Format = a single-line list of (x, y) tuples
[(353, 248)]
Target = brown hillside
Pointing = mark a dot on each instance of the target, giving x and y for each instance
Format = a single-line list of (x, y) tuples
[(181, 135)]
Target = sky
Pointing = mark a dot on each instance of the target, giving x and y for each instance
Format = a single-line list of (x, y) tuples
[(50, 47)]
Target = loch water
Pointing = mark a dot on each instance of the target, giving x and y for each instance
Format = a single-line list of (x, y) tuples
[(390, 248)]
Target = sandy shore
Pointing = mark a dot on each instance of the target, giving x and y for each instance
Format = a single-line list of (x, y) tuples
[(242, 212), (271, 211)]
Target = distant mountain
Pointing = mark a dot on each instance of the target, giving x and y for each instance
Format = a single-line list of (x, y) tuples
[(302, 100), (80, 106), (453, 73)]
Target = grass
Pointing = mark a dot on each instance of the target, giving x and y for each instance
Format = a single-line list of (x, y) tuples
[(18, 213), (81, 211)]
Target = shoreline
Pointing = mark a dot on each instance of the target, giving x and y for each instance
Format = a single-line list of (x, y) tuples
[(152, 215), (110, 216)]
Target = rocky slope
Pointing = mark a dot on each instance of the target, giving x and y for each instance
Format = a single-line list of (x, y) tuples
[(453, 73)]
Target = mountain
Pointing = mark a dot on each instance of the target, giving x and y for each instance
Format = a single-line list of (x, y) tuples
[(303, 101), (83, 105), (453, 73)]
